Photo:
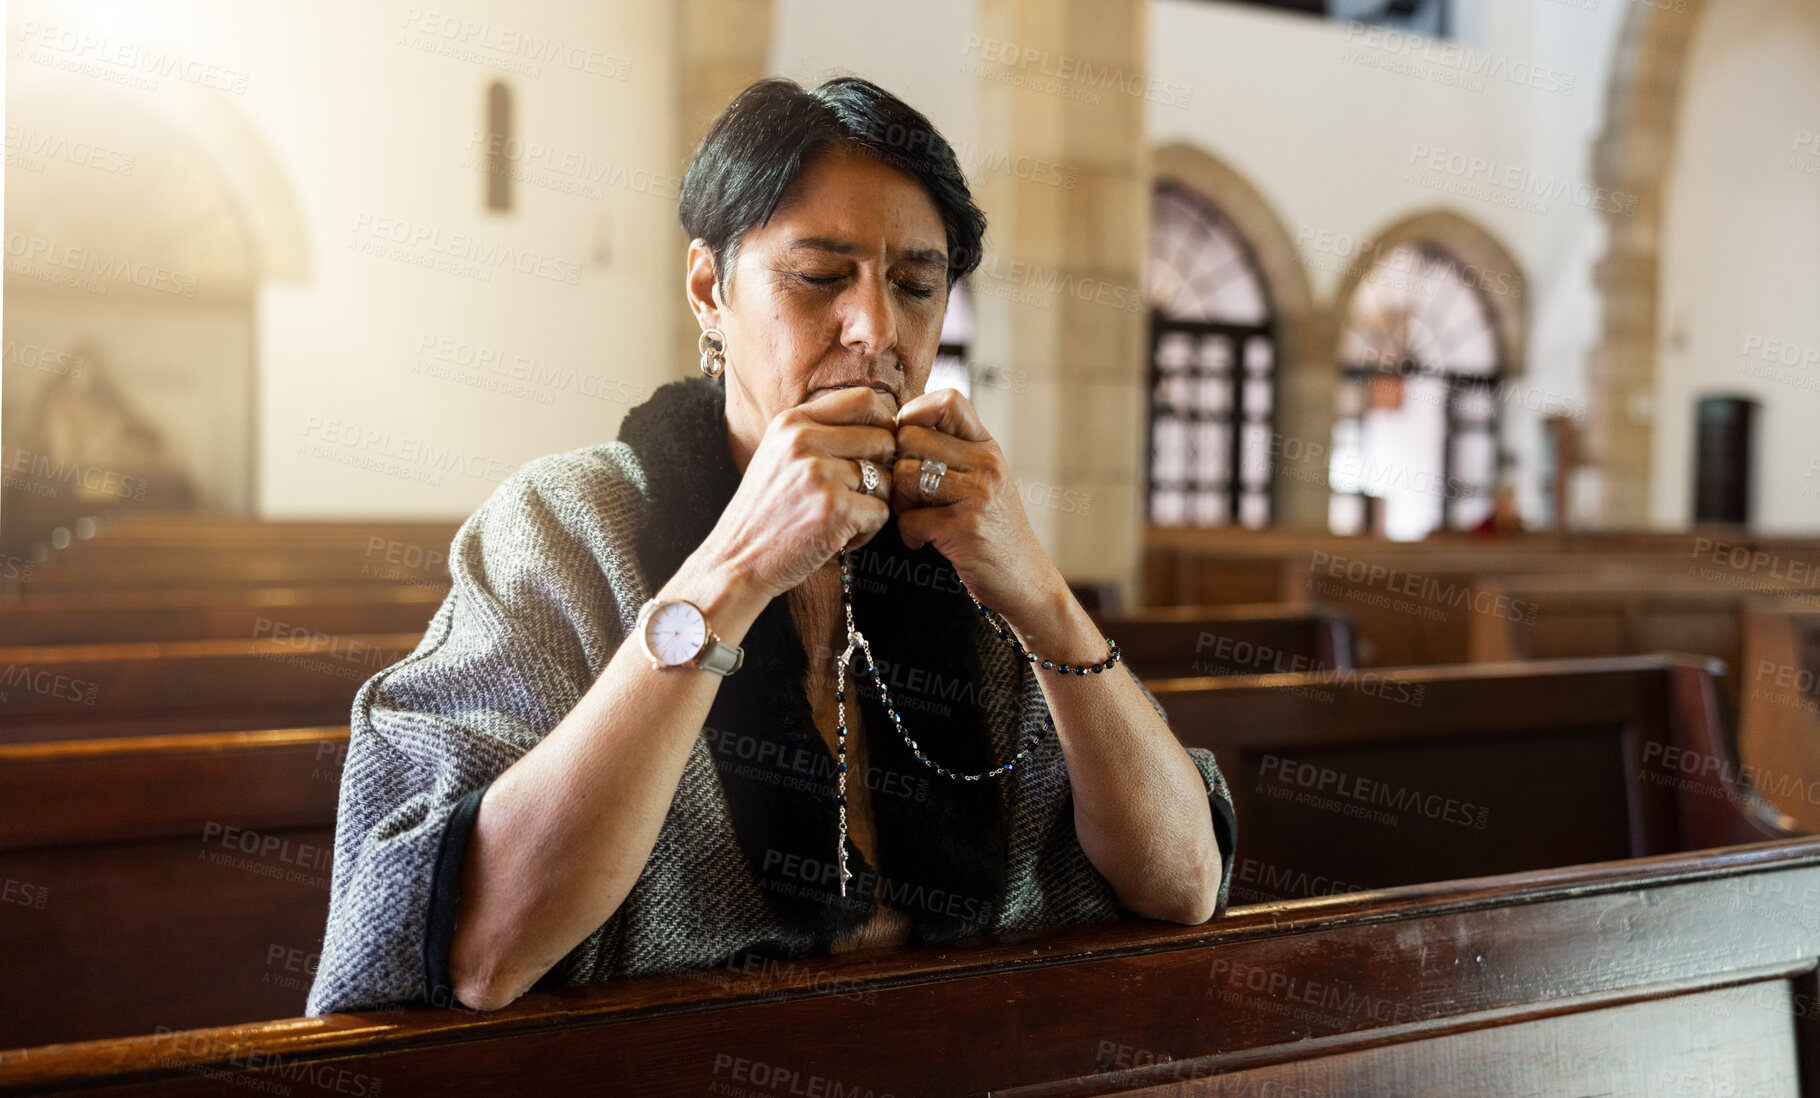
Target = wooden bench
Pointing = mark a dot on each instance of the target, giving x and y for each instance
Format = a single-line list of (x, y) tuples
[(1186, 641), (162, 880), (1358, 574), (192, 530), (1679, 974), (288, 566), (172, 614), (1779, 705), (289, 677), (84, 802), (1576, 616), (1370, 779)]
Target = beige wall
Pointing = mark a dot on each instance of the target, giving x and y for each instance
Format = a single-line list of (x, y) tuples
[(411, 347), (364, 366), (1740, 270)]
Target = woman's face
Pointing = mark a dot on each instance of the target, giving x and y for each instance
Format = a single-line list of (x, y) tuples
[(845, 285)]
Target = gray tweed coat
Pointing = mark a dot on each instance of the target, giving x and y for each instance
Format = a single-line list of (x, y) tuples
[(547, 582)]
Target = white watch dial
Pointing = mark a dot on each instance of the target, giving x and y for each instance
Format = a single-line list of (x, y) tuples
[(677, 632)]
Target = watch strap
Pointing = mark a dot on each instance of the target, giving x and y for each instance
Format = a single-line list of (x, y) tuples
[(720, 657)]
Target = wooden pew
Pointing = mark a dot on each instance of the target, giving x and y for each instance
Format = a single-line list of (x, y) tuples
[(275, 566), (162, 880), (1187, 641), (171, 614), (1370, 779), (82, 803), (1575, 616), (1358, 574), (197, 531), (288, 678), (1779, 704), (1676, 974), (1455, 610)]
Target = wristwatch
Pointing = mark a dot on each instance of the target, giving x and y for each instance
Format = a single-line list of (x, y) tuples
[(676, 634)]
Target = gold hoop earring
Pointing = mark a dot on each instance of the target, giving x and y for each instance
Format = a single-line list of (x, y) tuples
[(713, 348)]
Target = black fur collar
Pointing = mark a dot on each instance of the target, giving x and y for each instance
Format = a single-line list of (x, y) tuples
[(942, 844)]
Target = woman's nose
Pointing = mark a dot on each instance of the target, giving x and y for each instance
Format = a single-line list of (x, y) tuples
[(870, 323)]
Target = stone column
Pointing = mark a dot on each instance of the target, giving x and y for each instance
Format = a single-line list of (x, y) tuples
[(722, 46), (1059, 299), (1631, 157)]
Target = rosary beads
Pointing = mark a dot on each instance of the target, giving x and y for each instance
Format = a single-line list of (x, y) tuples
[(857, 643)]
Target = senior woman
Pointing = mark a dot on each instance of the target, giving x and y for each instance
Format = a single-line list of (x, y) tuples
[(641, 734)]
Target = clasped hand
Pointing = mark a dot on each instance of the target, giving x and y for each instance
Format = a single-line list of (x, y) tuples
[(803, 496)]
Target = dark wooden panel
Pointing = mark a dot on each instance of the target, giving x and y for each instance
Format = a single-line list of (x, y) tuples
[(1369, 779), (171, 614), (1179, 642), (215, 927), (174, 881), (1779, 694), (188, 529), (1381, 981), (103, 690), (137, 569), (64, 793)]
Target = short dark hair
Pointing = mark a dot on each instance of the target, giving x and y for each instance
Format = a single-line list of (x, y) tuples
[(774, 129)]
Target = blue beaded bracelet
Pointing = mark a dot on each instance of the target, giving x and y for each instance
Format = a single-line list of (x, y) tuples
[(1003, 629)]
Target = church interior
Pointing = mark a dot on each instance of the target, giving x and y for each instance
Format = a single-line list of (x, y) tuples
[(1415, 389)]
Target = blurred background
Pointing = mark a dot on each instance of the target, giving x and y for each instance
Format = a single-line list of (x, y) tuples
[(1250, 264)]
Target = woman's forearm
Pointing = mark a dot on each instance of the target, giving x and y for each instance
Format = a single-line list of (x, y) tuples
[(1140, 804), (563, 834)]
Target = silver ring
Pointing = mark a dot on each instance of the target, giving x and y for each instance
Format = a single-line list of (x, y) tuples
[(931, 480), (868, 477)]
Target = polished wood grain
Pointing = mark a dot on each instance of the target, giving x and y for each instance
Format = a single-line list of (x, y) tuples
[(1369, 779), (1524, 740), (133, 569), (1356, 992), (188, 529), (67, 793), (203, 613), (1186, 641), (91, 691), (183, 879), (1779, 698)]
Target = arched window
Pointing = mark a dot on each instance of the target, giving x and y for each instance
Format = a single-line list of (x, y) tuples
[(1212, 369), (1415, 436)]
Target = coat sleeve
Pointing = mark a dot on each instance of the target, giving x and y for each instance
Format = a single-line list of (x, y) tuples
[(1061, 885), (544, 583)]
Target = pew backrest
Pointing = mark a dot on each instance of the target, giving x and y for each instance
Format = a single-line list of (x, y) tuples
[(1380, 778), (1663, 976), (174, 881), (173, 614), (89, 691), (1187, 641), (1779, 705)]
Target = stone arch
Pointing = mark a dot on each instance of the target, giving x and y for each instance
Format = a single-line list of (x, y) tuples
[(1488, 264), (1631, 156), (1304, 392), (191, 192)]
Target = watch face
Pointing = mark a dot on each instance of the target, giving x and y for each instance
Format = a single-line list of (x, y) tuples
[(677, 632)]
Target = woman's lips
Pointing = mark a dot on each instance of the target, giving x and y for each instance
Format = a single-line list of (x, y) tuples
[(880, 389)]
